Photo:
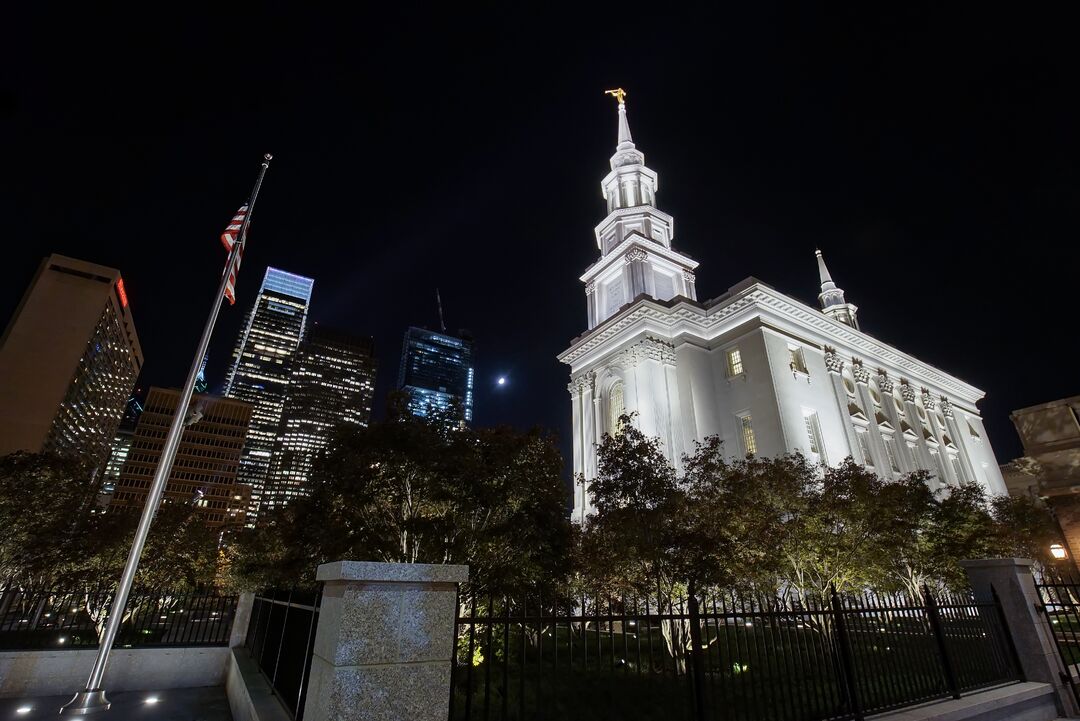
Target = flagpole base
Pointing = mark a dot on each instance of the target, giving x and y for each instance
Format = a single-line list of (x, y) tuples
[(86, 703)]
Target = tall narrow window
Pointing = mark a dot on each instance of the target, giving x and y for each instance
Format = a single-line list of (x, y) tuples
[(798, 360), (616, 407), (864, 445), (890, 451), (958, 468), (813, 435), (912, 456), (749, 444), (734, 362), (942, 475)]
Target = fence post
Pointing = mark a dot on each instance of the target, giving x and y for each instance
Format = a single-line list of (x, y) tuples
[(1029, 628), (241, 619), (847, 663), (697, 660), (384, 643), (934, 617)]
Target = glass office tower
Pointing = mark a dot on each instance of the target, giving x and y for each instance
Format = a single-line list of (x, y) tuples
[(332, 383), (260, 369), (437, 371)]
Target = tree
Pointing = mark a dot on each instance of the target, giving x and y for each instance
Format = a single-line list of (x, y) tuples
[(1025, 528), (50, 538), (420, 490)]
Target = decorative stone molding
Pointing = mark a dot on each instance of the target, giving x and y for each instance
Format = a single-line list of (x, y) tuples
[(688, 276), (861, 373), (907, 392), (699, 320), (590, 287), (883, 382), (833, 362), (649, 349), (946, 407), (927, 399), (635, 255), (582, 383)]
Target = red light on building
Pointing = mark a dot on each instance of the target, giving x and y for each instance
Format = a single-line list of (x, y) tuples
[(120, 292)]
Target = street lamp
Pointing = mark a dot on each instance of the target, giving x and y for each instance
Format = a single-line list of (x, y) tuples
[(1058, 552)]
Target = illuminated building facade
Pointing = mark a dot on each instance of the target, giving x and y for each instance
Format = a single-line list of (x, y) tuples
[(765, 372), (331, 383), (260, 369), (205, 471), (437, 371), (121, 446), (69, 359)]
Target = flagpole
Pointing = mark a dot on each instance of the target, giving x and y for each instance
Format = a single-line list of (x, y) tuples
[(92, 698)]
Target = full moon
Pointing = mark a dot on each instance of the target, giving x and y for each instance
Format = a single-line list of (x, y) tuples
[(502, 380)]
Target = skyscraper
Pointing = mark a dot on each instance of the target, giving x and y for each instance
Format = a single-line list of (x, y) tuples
[(69, 359), (260, 370), (437, 371), (331, 383), (121, 446), (204, 473)]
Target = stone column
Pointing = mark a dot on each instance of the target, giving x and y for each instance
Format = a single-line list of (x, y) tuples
[(1031, 632), (835, 366), (635, 265), (385, 642), (873, 433)]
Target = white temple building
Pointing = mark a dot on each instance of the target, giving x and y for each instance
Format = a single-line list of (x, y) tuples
[(762, 370)]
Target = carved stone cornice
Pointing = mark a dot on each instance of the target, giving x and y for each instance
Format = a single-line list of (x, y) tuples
[(833, 362), (707, 320), (907, 391), (590, 287), (927, 399), (884, 382), (649, 349), (635, 255), (861, 372)]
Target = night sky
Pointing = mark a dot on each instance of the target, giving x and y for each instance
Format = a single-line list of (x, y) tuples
[(931, 152)]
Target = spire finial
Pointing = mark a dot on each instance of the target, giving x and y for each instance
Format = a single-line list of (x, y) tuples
[(618, 93), (826, 279), (626, 142)]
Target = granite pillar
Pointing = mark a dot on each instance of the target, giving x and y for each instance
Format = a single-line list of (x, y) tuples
[(1027, 621), (384, 643)]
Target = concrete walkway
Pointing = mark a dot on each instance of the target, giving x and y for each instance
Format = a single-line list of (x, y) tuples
[(183, 704)]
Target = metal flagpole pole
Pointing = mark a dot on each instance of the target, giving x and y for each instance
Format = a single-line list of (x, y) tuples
[(92, 699)]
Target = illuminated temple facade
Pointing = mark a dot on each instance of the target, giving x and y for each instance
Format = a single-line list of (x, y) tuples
[(765, 372)]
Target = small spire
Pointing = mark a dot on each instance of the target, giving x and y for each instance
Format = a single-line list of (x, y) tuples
[(832, 298), (826, 279), (626, 141)]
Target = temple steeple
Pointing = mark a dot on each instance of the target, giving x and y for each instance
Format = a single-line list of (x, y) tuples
[(833, 303), (636, 257)]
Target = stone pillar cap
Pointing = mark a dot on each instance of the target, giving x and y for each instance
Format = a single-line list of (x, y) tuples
[(996, 562), (392, 572)]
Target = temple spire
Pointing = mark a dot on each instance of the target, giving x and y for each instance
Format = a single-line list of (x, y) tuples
[(625, 152), (823, 270), (833, 303)]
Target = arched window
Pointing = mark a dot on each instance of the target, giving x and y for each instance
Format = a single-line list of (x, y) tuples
[(616, 407)]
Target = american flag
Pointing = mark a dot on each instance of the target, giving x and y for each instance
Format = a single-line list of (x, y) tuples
[(228, 239)]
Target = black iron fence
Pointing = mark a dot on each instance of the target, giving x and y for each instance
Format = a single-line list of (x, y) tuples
[(1059, 593), (280, 637), (722, 657), (59, 620)]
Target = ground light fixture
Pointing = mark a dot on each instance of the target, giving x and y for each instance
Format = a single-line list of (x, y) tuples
[(23, 710), (1058, 552), (151, 700)]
